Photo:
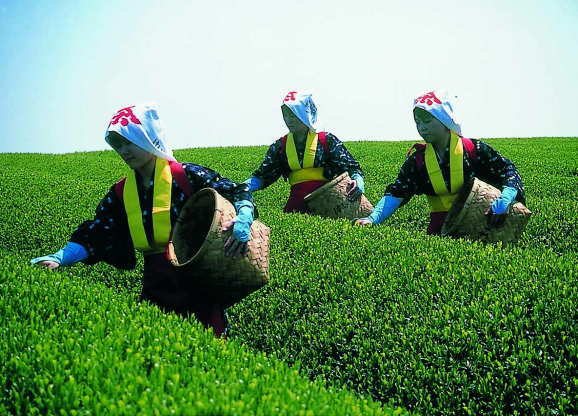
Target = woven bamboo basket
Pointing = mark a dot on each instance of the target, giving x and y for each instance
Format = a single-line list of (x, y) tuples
[(197, 248), (331, 201), (467, 217)]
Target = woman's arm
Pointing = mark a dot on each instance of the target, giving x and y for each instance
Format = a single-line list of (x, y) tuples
[(107, 237), (396, 194), (68, 255), (270, 169), (340, 160), (202, 177), (237, 193), (500, 172), (104, 238), (497, 169), (407, 182)]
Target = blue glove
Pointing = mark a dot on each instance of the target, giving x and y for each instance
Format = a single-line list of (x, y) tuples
[(254, 183), (69, 254), (243, 221), (500, 205), (359, 187), (360, 182), (355, 193), (384, 208)]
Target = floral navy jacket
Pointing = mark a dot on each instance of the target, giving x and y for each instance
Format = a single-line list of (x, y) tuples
[(335, 161), (487, 165), (107, 236)]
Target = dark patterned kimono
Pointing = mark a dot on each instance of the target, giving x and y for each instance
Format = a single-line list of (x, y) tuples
[(335, 161), (487, 165), (107, 238)]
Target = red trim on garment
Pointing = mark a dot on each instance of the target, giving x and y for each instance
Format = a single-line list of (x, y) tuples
[(322, 137), (420, 148), (178, 173)]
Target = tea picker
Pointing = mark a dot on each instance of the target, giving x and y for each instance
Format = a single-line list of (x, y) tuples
[(445, 169), (308, 157), (140, 211)]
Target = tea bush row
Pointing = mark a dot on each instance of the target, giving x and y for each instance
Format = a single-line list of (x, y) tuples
[(439, 326), (72, 346)]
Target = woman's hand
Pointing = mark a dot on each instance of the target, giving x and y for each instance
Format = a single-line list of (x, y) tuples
[(353, 191), (362, 222), (46, 261), (498, 211), (233, 247), (66, 256), (356, 187), (50, 265)]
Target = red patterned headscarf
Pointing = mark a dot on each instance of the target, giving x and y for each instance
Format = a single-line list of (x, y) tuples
[(140, 124)]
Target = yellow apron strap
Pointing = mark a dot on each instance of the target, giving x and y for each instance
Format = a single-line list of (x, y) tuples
[(161, 214), (306, 172), (310, 150), (308, 156), (434, 171), (456, 163), (444, 199), (162, 203), (291, 151), (306, 175), (134, 213)]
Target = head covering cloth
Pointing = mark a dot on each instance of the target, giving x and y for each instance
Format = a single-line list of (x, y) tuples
[(302, 105), (441, 105), (140, 124)]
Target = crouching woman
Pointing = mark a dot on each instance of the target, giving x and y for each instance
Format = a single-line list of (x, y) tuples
[(139, 211), (440, 167), (309, 158)]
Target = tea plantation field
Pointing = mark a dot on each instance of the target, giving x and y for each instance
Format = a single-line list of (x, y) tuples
[(360, 321)]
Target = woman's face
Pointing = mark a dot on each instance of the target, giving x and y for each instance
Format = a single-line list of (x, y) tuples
[(429, 128), (292, 121), (133, 156)]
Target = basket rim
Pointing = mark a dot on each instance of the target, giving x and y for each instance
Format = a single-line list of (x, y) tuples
[(324, 188), (214, 227)]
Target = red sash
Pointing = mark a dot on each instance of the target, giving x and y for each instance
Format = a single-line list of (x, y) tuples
[(296, 201)]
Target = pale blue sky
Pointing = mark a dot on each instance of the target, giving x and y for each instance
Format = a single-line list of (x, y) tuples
[(219, 70)]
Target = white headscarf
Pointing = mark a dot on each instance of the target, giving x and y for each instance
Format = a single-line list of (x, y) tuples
[(140, 124), (441, 105), (302, 105)]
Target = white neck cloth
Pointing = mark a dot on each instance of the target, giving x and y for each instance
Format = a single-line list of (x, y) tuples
[(140, 124), (441, 105), (302, 105)]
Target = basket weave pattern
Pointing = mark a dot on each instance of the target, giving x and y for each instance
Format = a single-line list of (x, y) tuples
[(197, 247), (467, 218), (331, 201)]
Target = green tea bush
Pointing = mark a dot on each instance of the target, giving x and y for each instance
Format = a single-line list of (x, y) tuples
[(434, 325), (437, 325), (73, 347)]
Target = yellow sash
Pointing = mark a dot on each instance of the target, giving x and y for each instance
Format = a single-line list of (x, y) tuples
[(306, 172), (444, 199), (161, 209)]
